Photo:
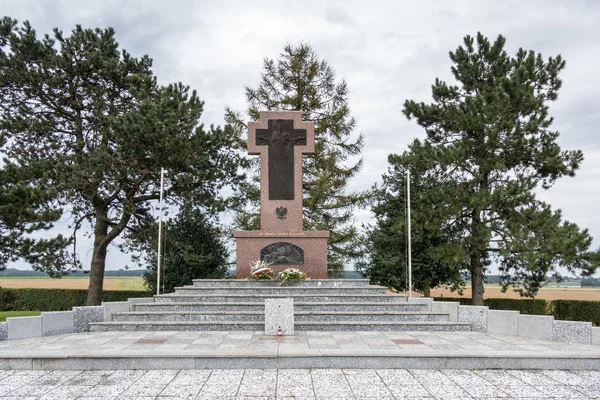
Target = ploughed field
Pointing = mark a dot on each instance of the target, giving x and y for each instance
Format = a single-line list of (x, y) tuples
[(137, 283), (495, 292), (40, 282)]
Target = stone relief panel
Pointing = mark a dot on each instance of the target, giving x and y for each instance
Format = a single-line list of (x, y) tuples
[(282, 253)]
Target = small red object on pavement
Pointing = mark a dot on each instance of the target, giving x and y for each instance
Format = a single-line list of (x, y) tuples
[(279, 332)]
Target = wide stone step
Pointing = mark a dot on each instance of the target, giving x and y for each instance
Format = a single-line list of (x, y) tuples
[(258, 306), (268, 283), (259, 326), (382, 326), (260, 298), (177, 326), (284, 290), (299, 316), (394, 316)]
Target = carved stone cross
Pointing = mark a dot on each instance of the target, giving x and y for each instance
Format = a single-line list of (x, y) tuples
[(281, 138)]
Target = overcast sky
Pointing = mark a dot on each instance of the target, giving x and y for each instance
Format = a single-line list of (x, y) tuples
[(388, 51)]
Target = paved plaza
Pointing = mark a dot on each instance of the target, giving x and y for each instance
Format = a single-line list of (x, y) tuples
[(158, 366), (329, 349), (256, 384)]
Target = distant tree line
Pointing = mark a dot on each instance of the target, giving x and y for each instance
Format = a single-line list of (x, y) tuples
[(26, 273), (590, 282)]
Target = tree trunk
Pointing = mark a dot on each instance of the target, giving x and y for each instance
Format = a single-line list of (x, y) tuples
[(480, 242), (476, 280), (426, 289), (98, 259)]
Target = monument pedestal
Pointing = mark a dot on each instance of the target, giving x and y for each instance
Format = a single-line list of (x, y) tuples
[(281, 138), (249, 244)]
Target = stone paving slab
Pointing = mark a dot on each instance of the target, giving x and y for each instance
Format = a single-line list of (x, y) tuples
[(274, 384), (237, 349)]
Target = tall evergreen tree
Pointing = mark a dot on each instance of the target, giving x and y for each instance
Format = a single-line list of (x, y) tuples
[(88, 120), (386, 247), (491, 138), (300, 81), (192, 248)]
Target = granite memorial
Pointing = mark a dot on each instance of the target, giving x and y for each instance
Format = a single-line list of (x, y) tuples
[(281, 138)]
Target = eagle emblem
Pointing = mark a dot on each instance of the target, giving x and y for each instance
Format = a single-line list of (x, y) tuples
[(281, 212)]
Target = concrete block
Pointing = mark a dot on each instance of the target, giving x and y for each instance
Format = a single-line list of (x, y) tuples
[(595, 335), (24, 327), (58, 322), (446, 307), (85, 315), (421, 300), (503, 322), (279, 314), (572, 332), (113, 307), (474, 315), (3, 331), (136, 300), (536, 326)]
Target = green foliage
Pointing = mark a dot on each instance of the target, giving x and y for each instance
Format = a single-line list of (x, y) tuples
[(300, 81), (590, 282), (525, 306), (9, 314), (192, 249), (90, 121), (574, 310), (489, 145), (464, 301), (386, 242), (566, 310), (23, 210), (18, 273), (56, 299)]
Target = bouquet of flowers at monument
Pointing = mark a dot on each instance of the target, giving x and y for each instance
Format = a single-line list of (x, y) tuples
[(291, 275), (261, 270)]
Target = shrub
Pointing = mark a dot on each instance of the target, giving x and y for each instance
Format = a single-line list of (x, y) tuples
[(566, 310), (56, 299), (464, 301), (576, 310), (525, 306)]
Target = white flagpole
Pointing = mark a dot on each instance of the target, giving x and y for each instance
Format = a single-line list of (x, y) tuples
[(160, 217), (408, 229)]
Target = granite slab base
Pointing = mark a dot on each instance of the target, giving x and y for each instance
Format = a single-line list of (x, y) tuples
[(243, 350), (326, 359)]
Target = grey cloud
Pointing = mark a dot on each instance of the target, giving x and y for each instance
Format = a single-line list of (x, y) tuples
[(387, 52), (336, 15)]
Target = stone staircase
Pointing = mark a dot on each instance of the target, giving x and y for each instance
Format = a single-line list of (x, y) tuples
[(319, 305)]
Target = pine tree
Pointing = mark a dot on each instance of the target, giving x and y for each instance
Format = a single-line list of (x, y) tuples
[(491, 139), (192, 248), (386, 242), (300, 81), (89, 121)]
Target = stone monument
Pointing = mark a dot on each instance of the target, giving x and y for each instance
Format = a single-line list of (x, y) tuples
[(281, 138)]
